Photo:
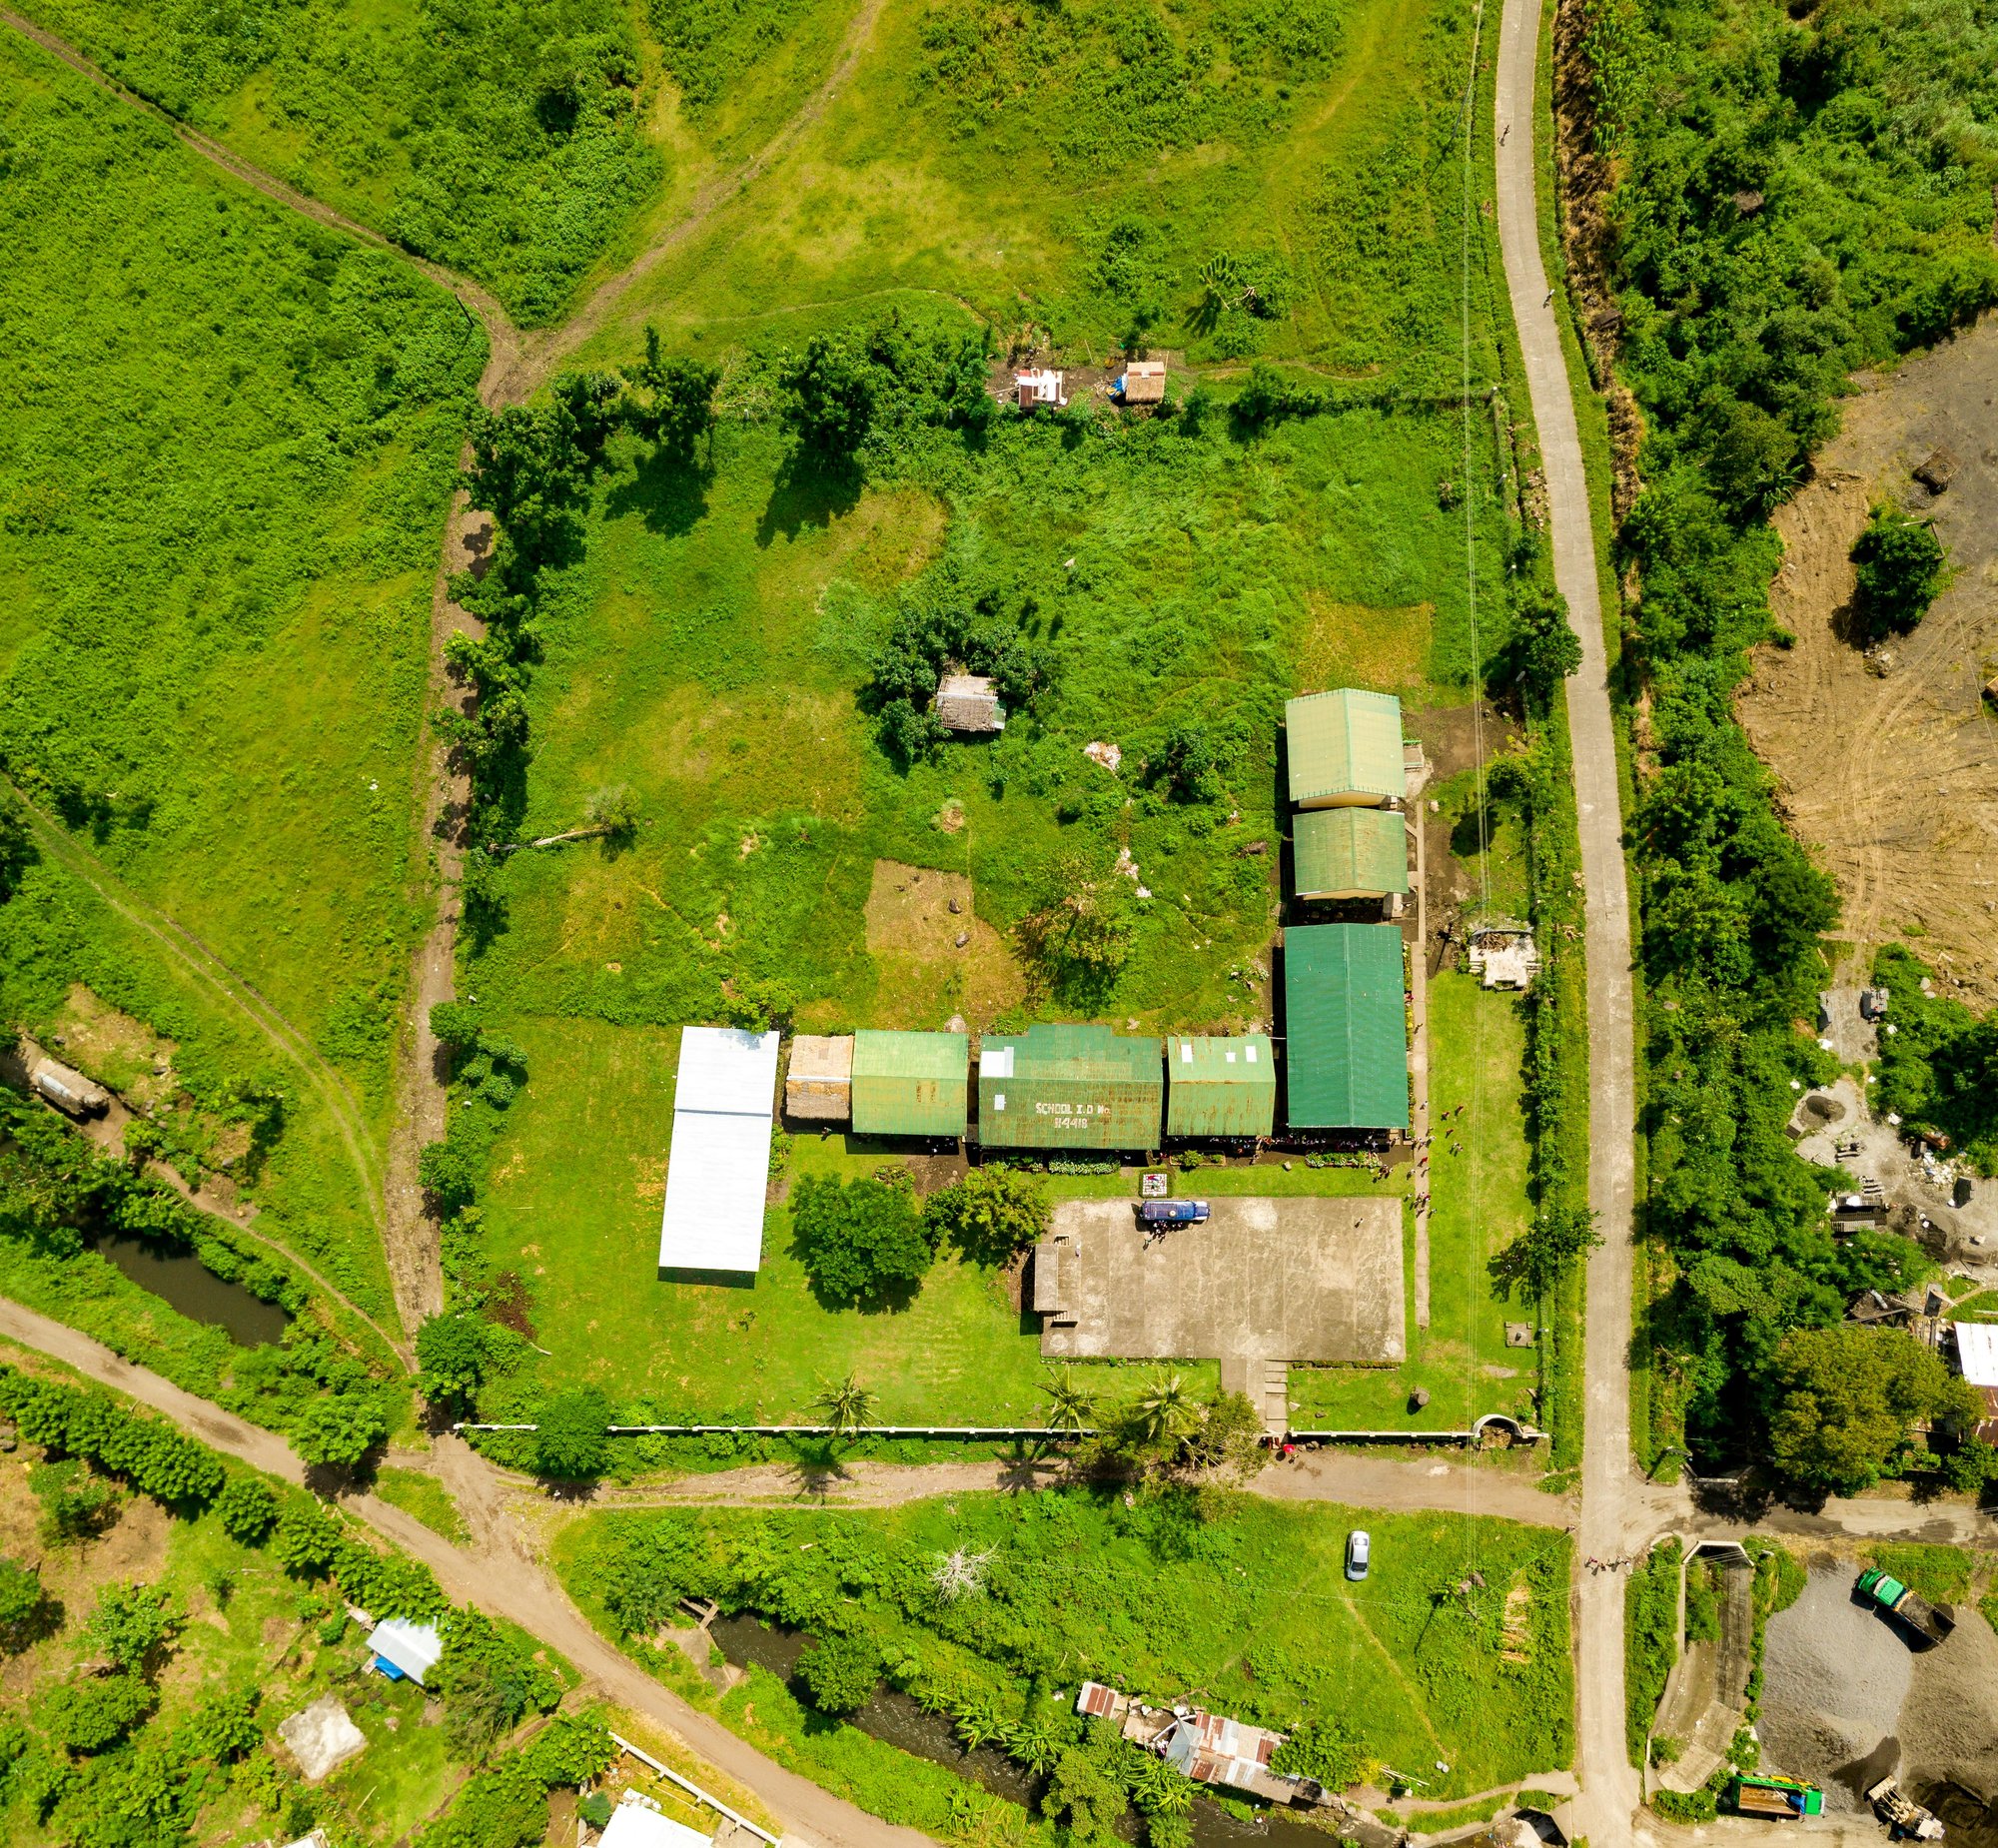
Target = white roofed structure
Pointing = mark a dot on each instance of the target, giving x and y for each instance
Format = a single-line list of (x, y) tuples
[(720, 1165), (411, 1650), (637, 1823), (1977, 1352)]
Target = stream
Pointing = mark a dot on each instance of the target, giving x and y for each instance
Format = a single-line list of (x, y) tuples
[(183, 1282), (895, 1719)]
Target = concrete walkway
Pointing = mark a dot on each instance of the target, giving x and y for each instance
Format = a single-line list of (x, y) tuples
[(1610, 1793)]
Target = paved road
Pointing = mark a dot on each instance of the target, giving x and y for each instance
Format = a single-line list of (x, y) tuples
[(1609, 1785)]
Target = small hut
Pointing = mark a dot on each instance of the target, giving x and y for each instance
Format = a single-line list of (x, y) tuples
[(1040, 387), (1143, 382), (818, 1087), (969, 702)]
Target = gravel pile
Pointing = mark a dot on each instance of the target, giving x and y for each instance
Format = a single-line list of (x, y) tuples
[(1949, 1726), (1834, 1678)]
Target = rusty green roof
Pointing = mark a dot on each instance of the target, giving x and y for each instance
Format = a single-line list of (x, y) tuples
[(1067, 1086), (1219, 1087), (1349, 852), (911, 1084), (1345, 746), (1347, 1027)]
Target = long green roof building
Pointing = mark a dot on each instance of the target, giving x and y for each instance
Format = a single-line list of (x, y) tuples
[(1219, 1087), (911, 1084), (1070, 1086), (1346, 1022), (1349, 853), (1345, 749)]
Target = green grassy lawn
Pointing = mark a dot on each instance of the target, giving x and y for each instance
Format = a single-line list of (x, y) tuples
[(1241, 1605), (230, 439), (1477, 1206), (424, 1496)]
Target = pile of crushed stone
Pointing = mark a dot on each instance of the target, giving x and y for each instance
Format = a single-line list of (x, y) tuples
[(1950, 1724)]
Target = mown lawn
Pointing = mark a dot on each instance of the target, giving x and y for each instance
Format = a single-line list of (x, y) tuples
[(1236, 1602)]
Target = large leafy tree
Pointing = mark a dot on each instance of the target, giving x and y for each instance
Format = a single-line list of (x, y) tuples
[(861, 1242), (1849, 1398), (988, 1215), (574, 1441)]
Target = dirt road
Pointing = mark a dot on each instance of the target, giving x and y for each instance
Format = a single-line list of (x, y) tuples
[(1609, 1785)]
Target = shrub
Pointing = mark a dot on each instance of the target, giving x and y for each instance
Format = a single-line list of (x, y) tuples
[(248, 1509), (1326, 1751), (339, 1429), (24, 1605), (134, 1624), (861, 1242), (93, 1713), (451, 1351), (1901, 566), (573, 1442), (989, 1215), (840, 1672)]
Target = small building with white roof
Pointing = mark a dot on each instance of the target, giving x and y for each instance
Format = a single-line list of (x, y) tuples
[(1043, 385), (638, 1822), (404, 1652), (718, 1167)]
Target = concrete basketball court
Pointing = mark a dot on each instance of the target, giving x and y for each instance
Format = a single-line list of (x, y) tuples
[(1297, 1279)]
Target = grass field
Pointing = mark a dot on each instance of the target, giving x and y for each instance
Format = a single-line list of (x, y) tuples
[(229, 440), (1240, 1604)]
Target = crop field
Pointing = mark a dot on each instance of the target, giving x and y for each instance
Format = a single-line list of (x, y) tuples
[(229, 440), (1233, 1601)]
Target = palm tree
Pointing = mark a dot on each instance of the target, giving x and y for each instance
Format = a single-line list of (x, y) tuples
[(1162, 1790), (1034, 1743), (1069, 1406), (1165, 1411), (846, 1406)]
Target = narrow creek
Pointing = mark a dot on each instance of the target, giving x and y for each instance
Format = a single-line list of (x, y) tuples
[(895, 1719), (184, 1283)]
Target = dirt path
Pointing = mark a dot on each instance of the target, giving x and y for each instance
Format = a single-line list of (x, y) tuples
[(500, 332), (199, 960), (1611, 1793), (542, 353)]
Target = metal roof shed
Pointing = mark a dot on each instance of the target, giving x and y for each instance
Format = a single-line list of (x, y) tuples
[(1345, 749), (1977, 1352), (1347, 1024), (911, 1084), (405, 1650), (720, 1163), (1070, 1086), (1219, 1087), (1350, 853)]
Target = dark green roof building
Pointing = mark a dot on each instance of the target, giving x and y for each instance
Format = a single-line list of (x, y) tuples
[(1344, 748), (1349, 852), (1070, 1086), (1346, 1051), (1219, 1087), (911, 1084)]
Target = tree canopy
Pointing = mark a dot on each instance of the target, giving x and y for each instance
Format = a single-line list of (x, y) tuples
[(1847, 1400)]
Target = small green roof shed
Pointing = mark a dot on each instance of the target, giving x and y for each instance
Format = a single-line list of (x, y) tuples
[(911, 1084), (1349, 853), (1347, 1026), (1345, 749), (1070, 1086), (1219, 1087)]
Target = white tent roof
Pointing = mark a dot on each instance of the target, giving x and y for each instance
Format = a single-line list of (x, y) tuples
[(634, 1824), (1977, 1352), (720, 1163), (413, 1647)]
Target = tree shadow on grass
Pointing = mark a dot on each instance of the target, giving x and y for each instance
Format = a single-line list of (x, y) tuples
[(669, 492), (809, 493)]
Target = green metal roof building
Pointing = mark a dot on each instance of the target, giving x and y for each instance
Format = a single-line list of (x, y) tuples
[(1347, 1055), (1070, 1086), (1219, 1087), (1345, 749), (1350, 853), (911, 1084)]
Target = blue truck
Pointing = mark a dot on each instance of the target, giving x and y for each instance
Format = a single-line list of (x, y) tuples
[(1172, 1211)]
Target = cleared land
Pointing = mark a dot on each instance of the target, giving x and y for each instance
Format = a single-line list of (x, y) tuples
[(1893, 779)]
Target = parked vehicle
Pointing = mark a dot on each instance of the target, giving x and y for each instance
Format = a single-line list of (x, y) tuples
[(1776, 1799), (1892, 1598), (1359, 1553), (1172, 1211)]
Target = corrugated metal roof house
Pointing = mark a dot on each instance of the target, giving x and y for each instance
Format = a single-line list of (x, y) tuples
[(911, 1084), (818, 1084), (1346, 1053), (1070, 1086), (1219, 1087), (969, 702), (405, 1650), (1350, 853), (720, 1163), (1345, 749)]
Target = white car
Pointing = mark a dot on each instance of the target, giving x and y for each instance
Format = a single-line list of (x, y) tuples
[(1358, 1549)]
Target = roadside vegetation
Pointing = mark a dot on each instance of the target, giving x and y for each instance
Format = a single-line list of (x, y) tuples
[(1938, 1070), (169, 1610), (1796, 198), (988, 1611)]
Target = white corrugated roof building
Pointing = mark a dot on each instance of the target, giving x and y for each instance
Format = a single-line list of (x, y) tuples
[(637, 1823), (1977, 1352), (409, 1649), (720, 1165)]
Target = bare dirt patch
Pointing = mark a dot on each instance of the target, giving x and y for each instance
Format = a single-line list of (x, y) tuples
[(121, 1052), (927, 974), (1893, 779)]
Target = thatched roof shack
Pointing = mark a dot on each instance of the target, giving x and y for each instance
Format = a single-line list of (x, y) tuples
[(1143, 382), (969, 702)]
